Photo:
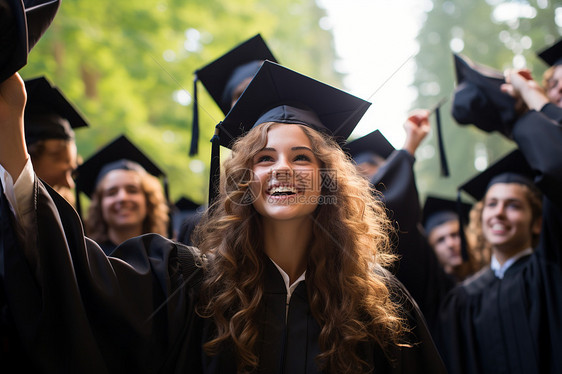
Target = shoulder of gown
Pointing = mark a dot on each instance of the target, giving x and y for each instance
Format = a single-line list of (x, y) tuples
[(86, 312)]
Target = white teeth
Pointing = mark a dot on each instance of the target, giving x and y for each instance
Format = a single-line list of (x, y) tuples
[(281, 189), (498, 226)]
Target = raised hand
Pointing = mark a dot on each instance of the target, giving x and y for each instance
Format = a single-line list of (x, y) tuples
[(417, 127), (527, 92), (13, 151)]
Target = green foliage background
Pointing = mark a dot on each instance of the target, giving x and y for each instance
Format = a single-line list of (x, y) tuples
[(123, 63), (486, 41)]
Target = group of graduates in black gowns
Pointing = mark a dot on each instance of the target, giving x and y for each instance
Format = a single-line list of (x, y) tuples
[(282, 278), (264, 292)]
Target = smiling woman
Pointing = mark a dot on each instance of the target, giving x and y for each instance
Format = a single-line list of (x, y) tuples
[(281, 169), (126, 199), (294, 282)]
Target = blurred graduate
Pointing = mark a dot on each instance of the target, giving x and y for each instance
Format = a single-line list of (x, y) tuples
[(506, 318), (127, 198)]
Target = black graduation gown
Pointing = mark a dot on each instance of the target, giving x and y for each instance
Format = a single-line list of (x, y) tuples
[(134, 312), (552, 111), (418, 269), (89, 313), (108, 247), (514, 325), (188, 226), (289, 343)]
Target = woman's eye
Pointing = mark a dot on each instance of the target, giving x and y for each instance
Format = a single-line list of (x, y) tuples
[(264, 158), (302, 158)]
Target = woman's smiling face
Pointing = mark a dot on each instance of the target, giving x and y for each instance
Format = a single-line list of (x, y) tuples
[(286, 171)]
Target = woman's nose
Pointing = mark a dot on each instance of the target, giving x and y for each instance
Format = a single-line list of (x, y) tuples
[(282, 171)]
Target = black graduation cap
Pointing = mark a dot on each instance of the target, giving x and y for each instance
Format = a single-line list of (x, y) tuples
[(552, 55), (512, 168), (367, 145), (282, 95), (122, 154), (438, 210), (186, 204), (223, 75), (279, 94), (48, 114), (22, 23), (478, 99)]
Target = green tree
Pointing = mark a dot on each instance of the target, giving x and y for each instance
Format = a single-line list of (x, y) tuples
[(128, 67), (483, 32)]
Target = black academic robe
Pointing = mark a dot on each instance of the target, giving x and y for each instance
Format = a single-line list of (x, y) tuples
[(188, 226), (85, 312), (552, 111), (418, 269), (108, 247), (514, 325), (288, 343)]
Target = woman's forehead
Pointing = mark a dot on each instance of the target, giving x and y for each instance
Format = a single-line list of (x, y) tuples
[(121, 176), (287, 135)]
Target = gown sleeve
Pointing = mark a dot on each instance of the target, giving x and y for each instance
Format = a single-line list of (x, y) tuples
[(83, 312), (418, 354), (553, 111), (418, 269), (539, 138)]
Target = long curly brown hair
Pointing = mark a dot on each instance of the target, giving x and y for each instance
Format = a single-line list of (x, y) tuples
[(480, 246), (156, 220), (350, 301)]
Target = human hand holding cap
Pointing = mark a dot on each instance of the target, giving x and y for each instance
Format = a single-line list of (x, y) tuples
[(524, 89)]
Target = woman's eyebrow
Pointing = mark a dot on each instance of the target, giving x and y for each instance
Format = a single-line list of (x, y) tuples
[(301, 148)]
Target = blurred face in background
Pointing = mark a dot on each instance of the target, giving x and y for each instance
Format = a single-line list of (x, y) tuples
[(54, 161), (124, 205), (369, 167), (446, 242)]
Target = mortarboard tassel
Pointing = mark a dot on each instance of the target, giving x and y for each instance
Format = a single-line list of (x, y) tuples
[(214, 175), (195, 123), (464, 244), (442, 156), (169, 203)]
